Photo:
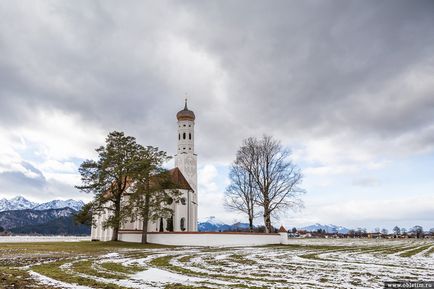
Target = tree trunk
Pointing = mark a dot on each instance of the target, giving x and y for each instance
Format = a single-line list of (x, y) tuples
[(250, 224), (267, 223), (115, 234), (145, 232), (267, 214), (146, 215), (117, 221)]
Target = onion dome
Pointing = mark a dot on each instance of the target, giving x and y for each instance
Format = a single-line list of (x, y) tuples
[(185, 114)]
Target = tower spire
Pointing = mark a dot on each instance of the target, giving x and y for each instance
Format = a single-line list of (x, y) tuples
[(185, 106)]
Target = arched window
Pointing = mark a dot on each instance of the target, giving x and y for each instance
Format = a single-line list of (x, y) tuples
[(179, 136), (183, 201), (182, 224), (189, 136), (161, 225), (169, 224), (183, 135)]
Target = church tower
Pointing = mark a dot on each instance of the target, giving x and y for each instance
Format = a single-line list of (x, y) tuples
[(186, 159)]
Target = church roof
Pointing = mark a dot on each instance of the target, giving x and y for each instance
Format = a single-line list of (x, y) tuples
[(179, 179), (282, 229), (176, 177), (185, 114)]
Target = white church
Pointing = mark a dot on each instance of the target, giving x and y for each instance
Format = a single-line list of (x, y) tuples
[(181, 228), (184, 175)]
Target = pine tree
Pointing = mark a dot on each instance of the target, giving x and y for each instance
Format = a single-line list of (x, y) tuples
[(109, 176), (152, 189), (84, 216)]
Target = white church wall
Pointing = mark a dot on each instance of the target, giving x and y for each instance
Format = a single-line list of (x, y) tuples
[(97, 231), (204, 239)]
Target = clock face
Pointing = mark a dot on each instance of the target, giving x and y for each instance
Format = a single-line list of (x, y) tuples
[(190, 166)]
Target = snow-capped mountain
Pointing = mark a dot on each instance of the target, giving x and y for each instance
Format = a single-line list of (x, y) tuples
[(21, 203), (20, 218), (58, 204), (327, 228), (42, 222), (212, 220), (17, 203), (212, 224)]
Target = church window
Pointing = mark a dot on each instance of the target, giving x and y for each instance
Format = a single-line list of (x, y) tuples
[(179, 136), (184, 124), (183, 201), (161, 225), (183, 135), (169, 224), (182, 224), (189, 136)]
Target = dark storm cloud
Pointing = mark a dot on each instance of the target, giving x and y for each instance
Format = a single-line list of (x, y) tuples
[(354, 69)]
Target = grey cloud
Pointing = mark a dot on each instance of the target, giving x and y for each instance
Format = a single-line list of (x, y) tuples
[(20, 183), (37, 186), (293, 69)]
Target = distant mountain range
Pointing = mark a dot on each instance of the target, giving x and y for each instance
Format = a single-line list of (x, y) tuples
[(327, 228), (212, 224), (21, 203), (20, 216)]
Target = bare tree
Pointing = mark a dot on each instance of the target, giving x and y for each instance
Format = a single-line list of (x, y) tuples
[(275, 177), (241, 194), (418, 231), (397, 231)]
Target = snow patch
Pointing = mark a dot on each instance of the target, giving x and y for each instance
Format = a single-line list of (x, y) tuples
[(52, 282)]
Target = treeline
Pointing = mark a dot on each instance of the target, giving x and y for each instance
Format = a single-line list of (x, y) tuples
[(416, 231)]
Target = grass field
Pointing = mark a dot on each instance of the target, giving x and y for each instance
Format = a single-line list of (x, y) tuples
[(313, 263)]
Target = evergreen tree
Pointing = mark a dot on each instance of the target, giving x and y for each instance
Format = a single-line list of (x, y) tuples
[(84, 216), (109, 176), (152, 190)]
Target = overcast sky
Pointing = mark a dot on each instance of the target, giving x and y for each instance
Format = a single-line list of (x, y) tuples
[(348, 86)]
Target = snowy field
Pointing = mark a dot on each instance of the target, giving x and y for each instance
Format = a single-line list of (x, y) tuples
[(305, 263), (308, 263), (27, 239)]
